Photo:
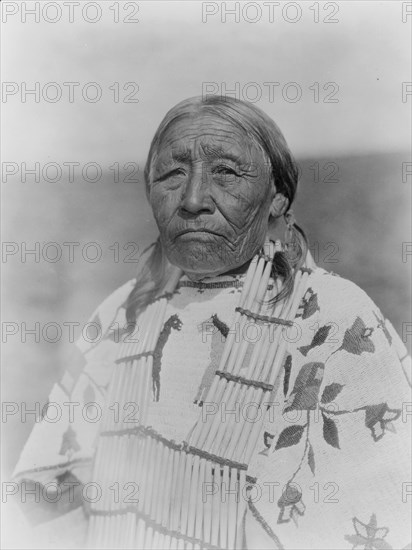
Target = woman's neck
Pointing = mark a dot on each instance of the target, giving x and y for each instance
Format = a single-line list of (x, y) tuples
[(240, 270)]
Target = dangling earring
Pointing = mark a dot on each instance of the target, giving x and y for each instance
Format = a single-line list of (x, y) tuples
[(291, 243)]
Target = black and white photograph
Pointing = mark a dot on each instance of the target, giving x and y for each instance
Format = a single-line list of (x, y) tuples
[(206, 274)]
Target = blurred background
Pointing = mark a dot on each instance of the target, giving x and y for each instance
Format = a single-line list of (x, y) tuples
[(332, 75)]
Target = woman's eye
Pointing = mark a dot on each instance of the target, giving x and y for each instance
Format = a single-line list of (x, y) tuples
[(176, 172), (171, 174), (225, 171)]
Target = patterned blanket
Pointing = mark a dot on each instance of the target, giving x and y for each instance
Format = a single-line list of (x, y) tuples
[(331, 468)]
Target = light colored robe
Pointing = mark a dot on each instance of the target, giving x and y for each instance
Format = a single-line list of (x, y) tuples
[(332, 463)]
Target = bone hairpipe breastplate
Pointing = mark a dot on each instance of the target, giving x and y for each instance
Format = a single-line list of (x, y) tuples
[(171, 511)]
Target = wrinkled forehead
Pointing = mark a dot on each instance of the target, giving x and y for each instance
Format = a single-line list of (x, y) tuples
[(208, 137)]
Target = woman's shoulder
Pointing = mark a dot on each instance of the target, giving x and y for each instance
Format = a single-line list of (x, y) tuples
[(108, 314), (338, 294), (339, 302), (343, 308), (116, 298)]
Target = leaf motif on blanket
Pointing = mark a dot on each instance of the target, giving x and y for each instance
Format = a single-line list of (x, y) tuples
[(287, 367), (311, 459), (69, 442), (330, 392), (320, 338), (290, 436), (330, 431), (306, 388)]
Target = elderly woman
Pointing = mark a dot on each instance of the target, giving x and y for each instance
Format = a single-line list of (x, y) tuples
[(240, 396)]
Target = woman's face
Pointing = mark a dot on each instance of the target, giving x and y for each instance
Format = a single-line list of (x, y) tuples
[(210, 192)]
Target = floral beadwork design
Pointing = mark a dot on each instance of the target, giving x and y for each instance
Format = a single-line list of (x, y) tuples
[(382, 324), (305, 396), (368, 536), (69, 443), (357, 338), (291, 504), (378, 418), (309, 304)]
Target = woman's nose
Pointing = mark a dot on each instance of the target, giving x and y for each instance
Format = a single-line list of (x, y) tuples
[(196, 197)]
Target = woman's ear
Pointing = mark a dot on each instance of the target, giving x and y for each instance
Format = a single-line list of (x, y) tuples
[(279, 205)]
